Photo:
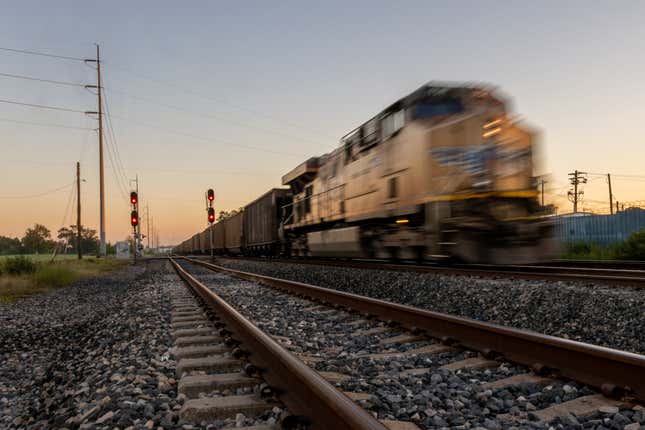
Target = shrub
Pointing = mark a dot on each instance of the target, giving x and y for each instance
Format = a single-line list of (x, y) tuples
[(634, 247), (19, 265), (55, 276)]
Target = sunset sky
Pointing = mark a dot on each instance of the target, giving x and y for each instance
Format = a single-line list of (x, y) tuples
[(232, 95)]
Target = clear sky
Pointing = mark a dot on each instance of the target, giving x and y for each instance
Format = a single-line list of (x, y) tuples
[(234, 94)]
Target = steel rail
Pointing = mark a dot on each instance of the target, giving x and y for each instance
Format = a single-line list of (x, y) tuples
[(300, 388), (634, 278), (613, 371)]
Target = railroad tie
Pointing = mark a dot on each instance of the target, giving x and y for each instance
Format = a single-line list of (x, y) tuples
[(521, 379), (471, 363), (436, 348), (212, 363), (198, 351), (193, 385), (581, 406), (188, 332), (207, 408), (334, 377), (399, 425), (198, 322), (403, 338), (197, 340), (189, 318), (371, 331)]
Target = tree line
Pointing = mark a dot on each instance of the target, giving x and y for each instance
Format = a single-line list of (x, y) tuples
[(38, 240)]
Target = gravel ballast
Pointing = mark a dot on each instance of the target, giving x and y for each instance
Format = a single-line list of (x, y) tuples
[(433, 398), (610, 316), (91, 356)]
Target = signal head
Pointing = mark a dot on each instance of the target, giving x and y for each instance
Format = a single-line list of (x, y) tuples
[(134, 198), (211, 195), (211, 215), (134, 218)]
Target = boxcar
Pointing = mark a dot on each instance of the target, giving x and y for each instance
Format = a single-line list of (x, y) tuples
[(261, 221), (194, 248), (218, 237), (233, 233), (205, 240)]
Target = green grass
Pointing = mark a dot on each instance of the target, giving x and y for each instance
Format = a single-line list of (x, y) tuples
[(50, 276), (40, 257)]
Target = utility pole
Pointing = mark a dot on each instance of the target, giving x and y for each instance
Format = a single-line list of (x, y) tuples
[(611, 197), (148, 225), (576, 179), (102, 247), (101, 169), (78, 210), (542, 181)]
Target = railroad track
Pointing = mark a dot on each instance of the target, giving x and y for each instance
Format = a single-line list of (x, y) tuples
[(430, 349), (566, 272)]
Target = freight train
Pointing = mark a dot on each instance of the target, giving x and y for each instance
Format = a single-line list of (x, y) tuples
[(444, 173)]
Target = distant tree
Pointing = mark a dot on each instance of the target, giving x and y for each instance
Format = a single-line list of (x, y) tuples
[(37, 240), (10, 246), (227, 214), (89, 240)]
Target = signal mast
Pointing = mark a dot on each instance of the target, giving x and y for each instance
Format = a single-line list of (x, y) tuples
[(210, 197)]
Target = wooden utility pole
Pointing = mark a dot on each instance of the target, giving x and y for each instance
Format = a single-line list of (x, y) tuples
[(78, 210), (148, 225), (575, 179), (103, 250), (99, 113), (611, 197)]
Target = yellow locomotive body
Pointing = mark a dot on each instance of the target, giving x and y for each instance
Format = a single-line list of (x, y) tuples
[(442, 173)]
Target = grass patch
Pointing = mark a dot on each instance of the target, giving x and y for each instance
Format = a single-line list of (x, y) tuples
[(48, 276), (55, 276), (631, 249)]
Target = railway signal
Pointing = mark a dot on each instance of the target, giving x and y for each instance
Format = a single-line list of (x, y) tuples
[(210, 196), (134, 219)]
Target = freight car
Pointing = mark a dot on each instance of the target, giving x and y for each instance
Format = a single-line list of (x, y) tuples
[(443, 173), (233, 233), (261, 224)]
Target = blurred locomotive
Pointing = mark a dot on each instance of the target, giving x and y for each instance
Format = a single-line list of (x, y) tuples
[(443, 174)]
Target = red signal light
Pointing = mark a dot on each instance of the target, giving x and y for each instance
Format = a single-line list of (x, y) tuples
[(211, 195), (134, 218), (211, 215), (134, 198)]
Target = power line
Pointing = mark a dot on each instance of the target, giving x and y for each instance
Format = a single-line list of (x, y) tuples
[(113, 136), (49, 81), (42, 124), (211, 116), (41, 106), (217, 100), (209, 139), (39, 194), (42, 54)]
